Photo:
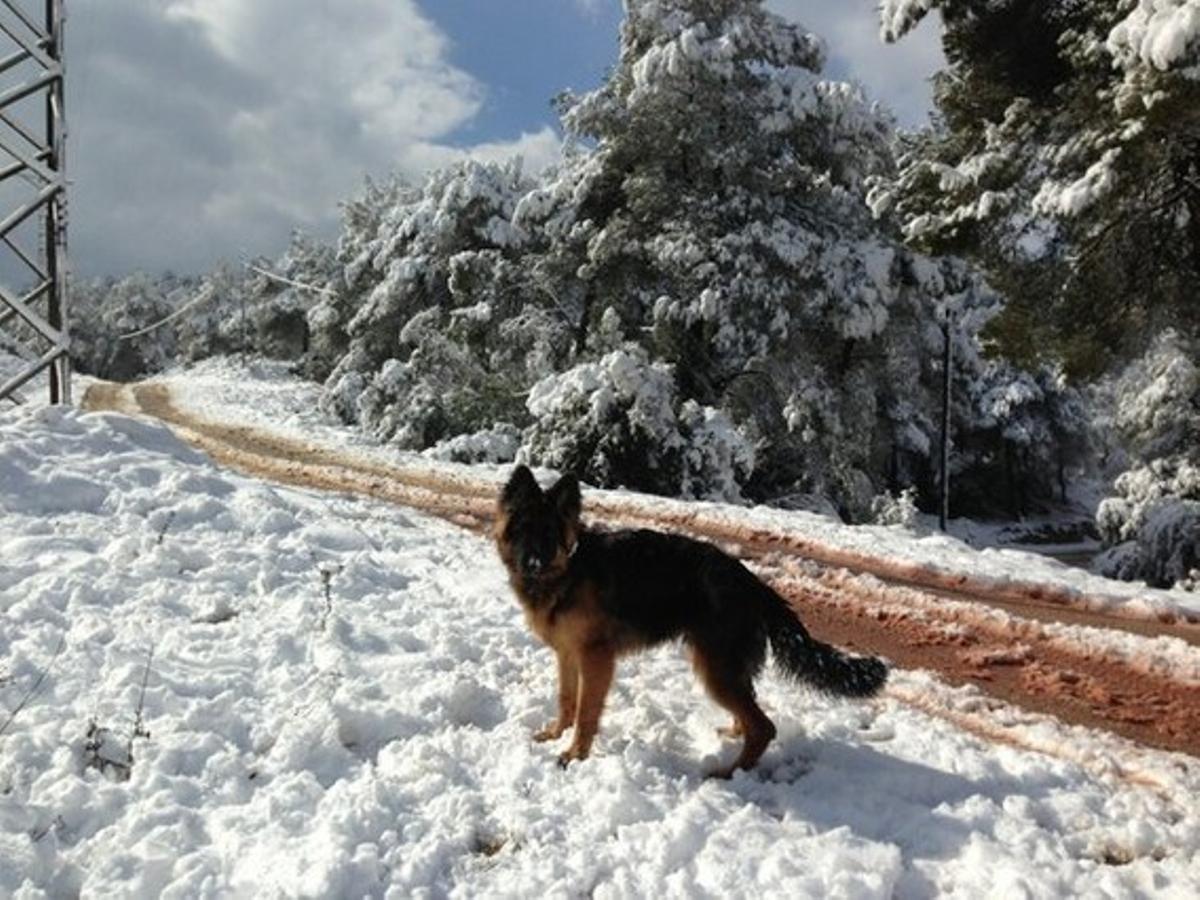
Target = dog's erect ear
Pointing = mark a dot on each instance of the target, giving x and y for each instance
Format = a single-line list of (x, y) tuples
[(566, 498), (521, 487)]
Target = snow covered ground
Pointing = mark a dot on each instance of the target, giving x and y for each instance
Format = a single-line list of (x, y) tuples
[(262, 393), (338, 697), (33, 390)]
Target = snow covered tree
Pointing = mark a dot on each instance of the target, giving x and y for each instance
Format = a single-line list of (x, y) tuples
[(439, 337), (261, 307), (306, 273), (1065, 159), (713, 208), (216, 323), (109, 337), (328, 318), (709, 208), (1024, 432), (232, 309)]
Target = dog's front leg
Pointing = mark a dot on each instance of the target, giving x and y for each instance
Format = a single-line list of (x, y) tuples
[(568, 697), (596, 666)]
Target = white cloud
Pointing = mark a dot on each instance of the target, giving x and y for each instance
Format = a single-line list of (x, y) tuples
[(537, 150), (201, 128), (208, 127), (592, 7), (896, 74)]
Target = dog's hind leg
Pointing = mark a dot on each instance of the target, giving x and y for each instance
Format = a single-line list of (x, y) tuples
[(733, 730), (734, 690), (568, 698), (596, 667)]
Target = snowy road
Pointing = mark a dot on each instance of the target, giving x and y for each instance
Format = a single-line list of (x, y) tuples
[(373, 740)]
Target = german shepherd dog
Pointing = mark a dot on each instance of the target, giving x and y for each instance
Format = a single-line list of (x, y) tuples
[(594, 596)]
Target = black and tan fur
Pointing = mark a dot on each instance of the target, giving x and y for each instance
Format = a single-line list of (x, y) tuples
[(595, 596)]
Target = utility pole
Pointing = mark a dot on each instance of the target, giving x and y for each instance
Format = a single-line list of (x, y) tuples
[(33, 192), (947, 366)]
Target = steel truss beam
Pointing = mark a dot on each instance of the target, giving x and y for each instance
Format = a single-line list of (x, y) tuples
[(33, 187)]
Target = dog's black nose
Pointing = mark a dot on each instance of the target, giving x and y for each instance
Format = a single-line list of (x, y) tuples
[(532, 565)]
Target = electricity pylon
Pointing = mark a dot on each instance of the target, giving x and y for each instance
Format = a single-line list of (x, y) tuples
[(33, 194)]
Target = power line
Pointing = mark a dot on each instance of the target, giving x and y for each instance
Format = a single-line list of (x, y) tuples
[(203, 297)]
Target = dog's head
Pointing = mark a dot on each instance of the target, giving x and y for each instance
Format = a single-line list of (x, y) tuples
[(536, 530)]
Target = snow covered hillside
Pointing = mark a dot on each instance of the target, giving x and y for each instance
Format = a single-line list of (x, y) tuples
[(338, 697)]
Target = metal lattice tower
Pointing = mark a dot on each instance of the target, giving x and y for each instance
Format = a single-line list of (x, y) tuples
[(33, 194)]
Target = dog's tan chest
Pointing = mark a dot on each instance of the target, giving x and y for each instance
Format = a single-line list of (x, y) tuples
[(541, 623)]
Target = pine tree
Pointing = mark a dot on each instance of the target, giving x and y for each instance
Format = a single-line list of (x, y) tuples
[(714, 207), (1065, 157)]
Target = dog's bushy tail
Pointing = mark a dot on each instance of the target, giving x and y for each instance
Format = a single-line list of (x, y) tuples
[(806, 659)]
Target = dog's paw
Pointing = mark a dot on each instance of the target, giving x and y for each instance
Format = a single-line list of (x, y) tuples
[(569, 756), (722, 773), (730, 732), (549, 733)]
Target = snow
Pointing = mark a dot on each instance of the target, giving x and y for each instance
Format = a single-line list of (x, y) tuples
[(259, 391), (376, 743), (898, 17), (498, 444), (32, 390), (600, 413), (1160, 33), (1066, 200)]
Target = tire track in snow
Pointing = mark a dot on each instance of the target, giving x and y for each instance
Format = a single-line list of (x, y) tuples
[(1012, 646)]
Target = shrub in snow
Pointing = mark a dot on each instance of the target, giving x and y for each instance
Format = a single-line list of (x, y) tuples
[(498, 444), (717, 456), (1165, 545), (1153, 523), (1153, 520), (1158, 400), (896, 509), (618, 422)]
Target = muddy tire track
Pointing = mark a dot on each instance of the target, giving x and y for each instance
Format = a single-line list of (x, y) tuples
[(1003, 640)]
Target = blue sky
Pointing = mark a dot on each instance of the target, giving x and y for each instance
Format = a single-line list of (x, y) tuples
[(204, 130), (525, 51)]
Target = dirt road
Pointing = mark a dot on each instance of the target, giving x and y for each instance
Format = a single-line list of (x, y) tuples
[(1030, 645)]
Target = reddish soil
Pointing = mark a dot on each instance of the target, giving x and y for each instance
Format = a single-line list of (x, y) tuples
[(1014, 660), (918, 619)]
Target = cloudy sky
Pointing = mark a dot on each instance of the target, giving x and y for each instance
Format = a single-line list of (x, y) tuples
[(208, 129)]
